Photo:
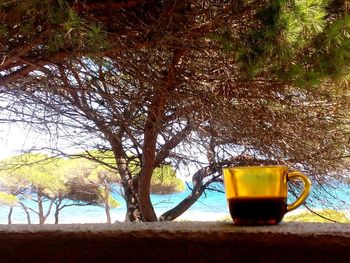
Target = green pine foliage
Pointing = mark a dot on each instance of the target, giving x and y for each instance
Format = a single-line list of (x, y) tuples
[(286, 28), (113, 203), (54, 176), (32, 170), (8, 199), (64, 28), (303, 41), (294, 41), (164, 181), (335, 58)]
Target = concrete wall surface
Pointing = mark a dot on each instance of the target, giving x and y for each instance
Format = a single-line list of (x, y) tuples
[(175, 242)]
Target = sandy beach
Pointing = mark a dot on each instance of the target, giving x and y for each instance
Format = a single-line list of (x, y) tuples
[(206, 216)]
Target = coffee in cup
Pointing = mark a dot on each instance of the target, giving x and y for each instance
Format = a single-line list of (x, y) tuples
[(257, 195)]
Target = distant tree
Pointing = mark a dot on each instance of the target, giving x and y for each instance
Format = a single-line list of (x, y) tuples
[(37, 177), (91, 183), (14, 184), (38, 173), (64, 195), (71, 182), (10, 201), (164, 181)]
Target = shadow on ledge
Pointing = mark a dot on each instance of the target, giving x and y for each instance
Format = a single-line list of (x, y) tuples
[(175, 242)]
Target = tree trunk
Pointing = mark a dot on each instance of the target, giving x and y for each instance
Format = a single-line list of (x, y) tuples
[(153, 126), (148, 157), (57, 209), (129, 183), (108, 213), (183, 205), (9, 220), (27, 213), (42, 216), (133, 212), (198, 189), (40, 208), (106, 201), (48, 210)]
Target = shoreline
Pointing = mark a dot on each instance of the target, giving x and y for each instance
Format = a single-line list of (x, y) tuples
[(190, 215)]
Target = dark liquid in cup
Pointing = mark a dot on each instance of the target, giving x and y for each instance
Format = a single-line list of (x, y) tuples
[(257, 211)]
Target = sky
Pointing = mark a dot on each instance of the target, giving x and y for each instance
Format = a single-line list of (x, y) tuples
[(14, 138)]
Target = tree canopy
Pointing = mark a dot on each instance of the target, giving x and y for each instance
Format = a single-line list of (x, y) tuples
[(62, 183), (202, 83), (41, 179)]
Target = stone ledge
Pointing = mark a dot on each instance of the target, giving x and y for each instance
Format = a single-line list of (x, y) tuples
[(175, 241)]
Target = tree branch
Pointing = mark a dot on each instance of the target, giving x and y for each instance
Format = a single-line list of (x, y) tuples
[(171, 144), (198, 189)]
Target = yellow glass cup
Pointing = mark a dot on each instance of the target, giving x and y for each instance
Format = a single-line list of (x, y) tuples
[(257, 195)]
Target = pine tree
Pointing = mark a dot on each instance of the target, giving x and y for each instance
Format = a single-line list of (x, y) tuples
[(151, 77)]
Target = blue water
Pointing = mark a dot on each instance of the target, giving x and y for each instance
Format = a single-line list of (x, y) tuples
[(211, 202)]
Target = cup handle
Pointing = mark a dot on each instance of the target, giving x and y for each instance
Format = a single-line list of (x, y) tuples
[(304, 194)]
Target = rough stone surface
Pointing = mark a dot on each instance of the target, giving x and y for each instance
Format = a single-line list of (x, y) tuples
[(174, 242)]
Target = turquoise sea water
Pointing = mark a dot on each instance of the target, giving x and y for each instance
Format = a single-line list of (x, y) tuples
[(211, 203)]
